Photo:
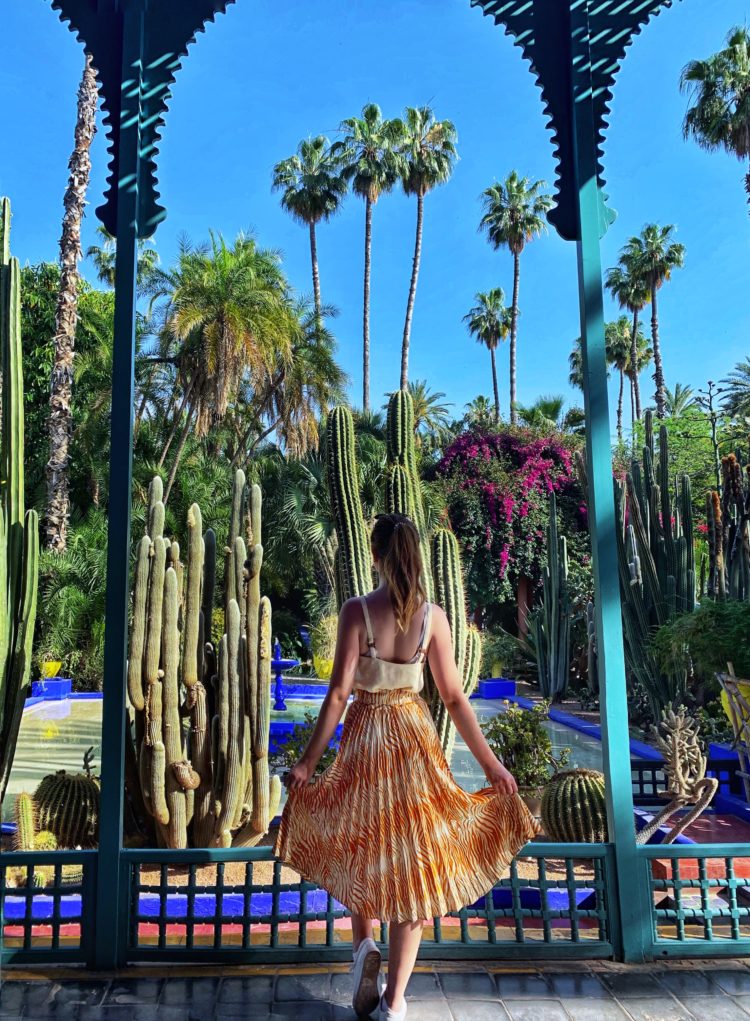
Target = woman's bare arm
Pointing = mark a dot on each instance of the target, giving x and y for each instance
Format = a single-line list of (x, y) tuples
[(445, 672), (334, 703)]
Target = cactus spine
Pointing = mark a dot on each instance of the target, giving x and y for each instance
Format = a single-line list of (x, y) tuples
[(656, 562), (574, 808), (550, 624), (19, 530), (205, 784), (67, 805)]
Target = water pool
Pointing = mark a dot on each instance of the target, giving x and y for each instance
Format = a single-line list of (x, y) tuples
[(54, 735)]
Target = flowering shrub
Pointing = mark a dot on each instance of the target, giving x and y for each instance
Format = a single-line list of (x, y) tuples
[(497, 487)]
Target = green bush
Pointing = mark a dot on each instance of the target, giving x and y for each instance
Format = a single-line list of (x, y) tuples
[(704, 641), (519, 738), (498, 646), (289, 751)]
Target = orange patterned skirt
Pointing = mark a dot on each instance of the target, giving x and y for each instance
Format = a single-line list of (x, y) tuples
[(387, 830)]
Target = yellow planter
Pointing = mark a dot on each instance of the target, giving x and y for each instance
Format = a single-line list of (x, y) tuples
[(50, 668), (732, 716)]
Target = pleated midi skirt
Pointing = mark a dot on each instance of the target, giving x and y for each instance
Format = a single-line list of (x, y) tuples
[(387, 830)]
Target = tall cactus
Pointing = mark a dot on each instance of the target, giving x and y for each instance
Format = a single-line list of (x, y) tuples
[(550, 623), (354, 560), (656, 562), (19, 531), (441, 559), (728, 520), (207, 785)]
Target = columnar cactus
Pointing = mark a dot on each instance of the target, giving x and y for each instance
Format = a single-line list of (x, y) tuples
[(657, 564), (574, 808), (206, 785), (19, 531), (728, 520), (354, 560), (550, 623), (441, 559)]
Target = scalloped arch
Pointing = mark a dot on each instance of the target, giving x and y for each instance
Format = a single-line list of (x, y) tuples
[(169, 28), (542, 29)]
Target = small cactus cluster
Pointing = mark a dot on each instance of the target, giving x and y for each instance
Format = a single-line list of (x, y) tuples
[(656, 562), (29, 838), (19, 529), (574, 808), (206, 784), (442, 577), (550, 623), (728, 521)]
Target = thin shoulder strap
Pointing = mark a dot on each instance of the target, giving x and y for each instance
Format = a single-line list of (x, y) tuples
[(368, 626), (424, 640)]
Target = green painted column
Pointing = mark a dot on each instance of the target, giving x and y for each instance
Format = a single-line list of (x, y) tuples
[(111, 889), (633, 911)]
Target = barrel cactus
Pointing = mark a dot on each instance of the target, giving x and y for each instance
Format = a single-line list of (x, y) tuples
[(574, 807), (206, 784), (68, 806), (19, 529)]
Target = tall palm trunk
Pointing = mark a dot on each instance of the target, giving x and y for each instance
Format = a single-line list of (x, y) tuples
[(66, 317), (176, 422), (412, 295), (661, 398), (178, 453), (636, 387), (366, 309), (315, 274), (513, 335), (494, 385), (619, 406), (632, 402)]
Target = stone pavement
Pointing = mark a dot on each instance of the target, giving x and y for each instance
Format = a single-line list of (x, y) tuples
[(477, 991)]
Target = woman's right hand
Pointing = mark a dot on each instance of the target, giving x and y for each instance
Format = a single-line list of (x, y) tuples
[(501, 781)]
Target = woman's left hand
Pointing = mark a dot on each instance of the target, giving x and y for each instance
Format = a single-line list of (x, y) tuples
[(298, 776)]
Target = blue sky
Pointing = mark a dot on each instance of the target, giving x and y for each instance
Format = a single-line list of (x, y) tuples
[(268, 74)]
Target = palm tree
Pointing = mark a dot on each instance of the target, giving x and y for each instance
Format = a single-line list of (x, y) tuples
[(737, 389), (631, 293), (103, 257), (643, 355), (489, 322), (653, 255), (428, 149), (479, 413), (66, 317), (312, 188), (545, 414), (372, 165), (431, 417), (228, 313), (618, 342), (513, 215), (719, 89), (575, 364), (679, 400)]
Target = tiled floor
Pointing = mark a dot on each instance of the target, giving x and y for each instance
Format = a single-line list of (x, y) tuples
[(684, 991)]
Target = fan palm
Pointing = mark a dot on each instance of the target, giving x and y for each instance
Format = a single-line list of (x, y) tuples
[(545, 414), (514, 214), (489, 322), (428, 150), (643, 355), (479, 413), (631, 293), (312, 189), (372, 165), (653, 256), (103, 256), (719, 88), (618, 343)]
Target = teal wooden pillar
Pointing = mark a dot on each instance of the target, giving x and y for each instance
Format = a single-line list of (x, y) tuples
[(634, 916), (111, 904)]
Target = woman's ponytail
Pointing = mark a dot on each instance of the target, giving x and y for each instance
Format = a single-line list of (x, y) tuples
[(395, 543)]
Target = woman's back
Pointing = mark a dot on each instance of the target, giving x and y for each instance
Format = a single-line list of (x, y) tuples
[(390, 658), (392, 644)]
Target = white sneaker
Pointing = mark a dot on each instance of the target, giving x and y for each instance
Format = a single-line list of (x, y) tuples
[(386, 1013), (366, 972)]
